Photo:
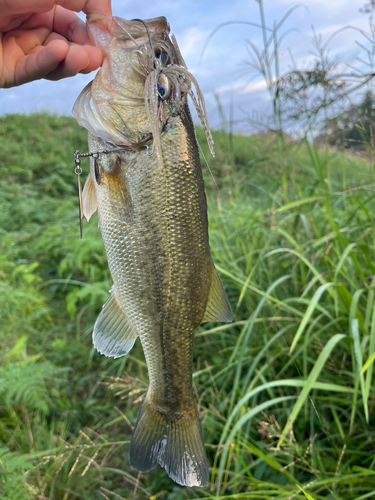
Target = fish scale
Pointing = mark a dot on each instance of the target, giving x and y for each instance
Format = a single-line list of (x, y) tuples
[(174, 191)]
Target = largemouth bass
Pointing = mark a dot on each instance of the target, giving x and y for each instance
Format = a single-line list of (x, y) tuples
[(146, 182)]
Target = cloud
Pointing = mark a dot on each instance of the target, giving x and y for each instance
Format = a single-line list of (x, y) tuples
[(243, 88), (327, 6), (191, 40), (200, 71), (221, 66)]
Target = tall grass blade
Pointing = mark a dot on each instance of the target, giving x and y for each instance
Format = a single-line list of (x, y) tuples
[(309, 311), (359, 363), (315, 372)]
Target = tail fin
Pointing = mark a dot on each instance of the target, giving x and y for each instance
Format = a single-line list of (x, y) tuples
[(176, 445)]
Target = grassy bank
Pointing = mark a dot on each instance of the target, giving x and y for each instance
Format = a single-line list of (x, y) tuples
[(285, 393)]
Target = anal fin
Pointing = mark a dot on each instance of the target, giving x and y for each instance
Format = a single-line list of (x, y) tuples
[(89, 200), (217, 308), (113, 334)]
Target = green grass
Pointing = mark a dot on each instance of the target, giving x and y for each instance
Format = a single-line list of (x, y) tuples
[(285, 393)]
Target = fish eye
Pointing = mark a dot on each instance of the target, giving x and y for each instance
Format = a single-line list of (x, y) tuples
[(162, 55), (163, 87)]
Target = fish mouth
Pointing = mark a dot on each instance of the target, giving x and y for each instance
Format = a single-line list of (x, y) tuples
[(102, 30), (161, 81), (140, 30)]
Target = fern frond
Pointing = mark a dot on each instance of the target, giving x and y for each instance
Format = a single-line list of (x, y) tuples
[(26, 384)]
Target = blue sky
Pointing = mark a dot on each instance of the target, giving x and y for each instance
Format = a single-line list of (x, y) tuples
[(220, 70)]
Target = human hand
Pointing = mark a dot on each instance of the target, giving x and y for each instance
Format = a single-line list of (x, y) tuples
[(45, 39)]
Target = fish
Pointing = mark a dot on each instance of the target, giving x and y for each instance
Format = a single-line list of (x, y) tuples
[(146, 182)]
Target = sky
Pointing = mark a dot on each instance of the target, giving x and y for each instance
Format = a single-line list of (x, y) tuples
[(223, 71)]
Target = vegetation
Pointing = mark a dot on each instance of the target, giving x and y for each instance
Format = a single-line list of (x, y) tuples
[(285, 393), (353, 127)]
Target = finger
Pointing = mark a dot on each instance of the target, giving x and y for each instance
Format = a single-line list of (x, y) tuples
[(95, 57), (37, 21), (70, 26), (16, 7), (98, 7), (24, 40), (41, 62), (61, 20), (79, 59), (87, 6)]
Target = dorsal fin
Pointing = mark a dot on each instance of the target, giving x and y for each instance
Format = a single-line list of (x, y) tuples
[(217, 308), (113, 334), (89, 200)]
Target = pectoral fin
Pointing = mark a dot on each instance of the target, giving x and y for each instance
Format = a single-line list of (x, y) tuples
[(217, 308), (113, 335), (89, 200)]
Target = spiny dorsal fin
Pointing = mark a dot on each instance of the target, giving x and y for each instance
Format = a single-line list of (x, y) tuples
[(89, 200), (217, 308), (113, 335)]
